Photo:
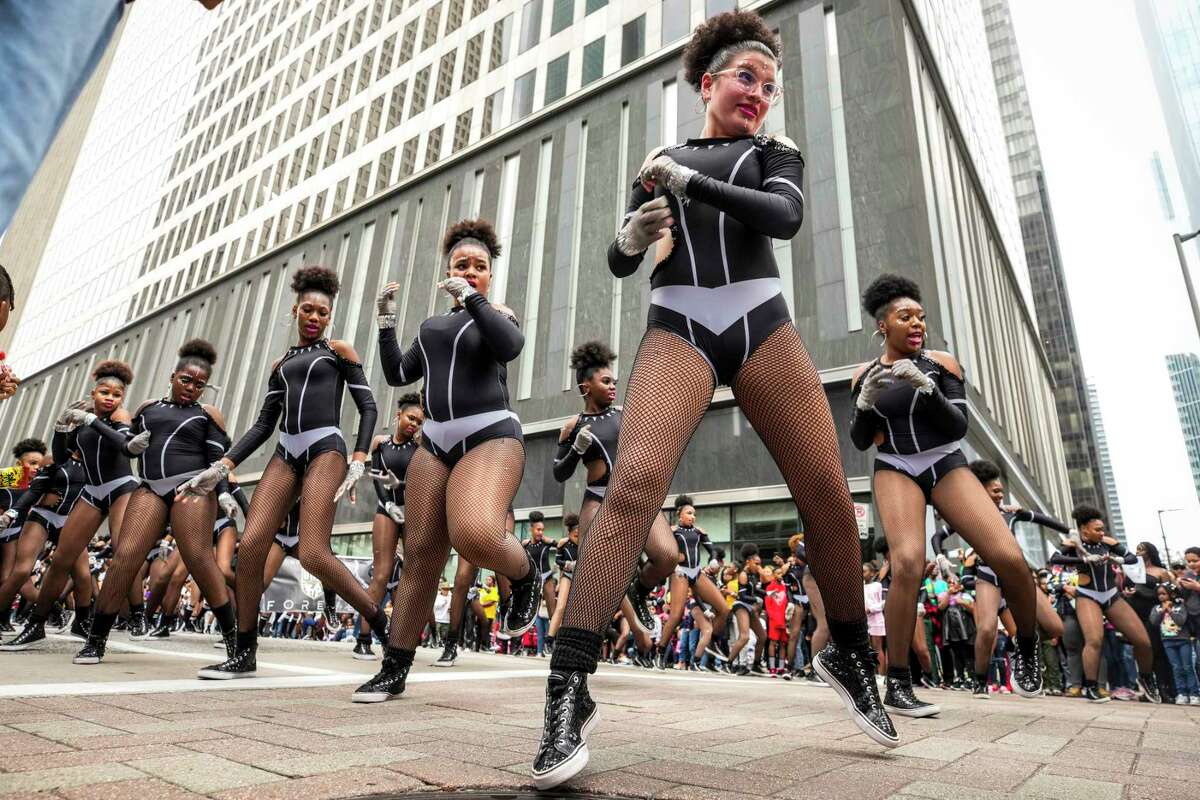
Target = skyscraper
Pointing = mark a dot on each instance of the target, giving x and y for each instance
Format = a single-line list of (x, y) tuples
[(1116, 523), (1051, 301), (235, 146), (1171, 29), (1184, 369)]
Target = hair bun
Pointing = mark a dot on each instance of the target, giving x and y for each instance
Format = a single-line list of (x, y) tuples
[(721, 31), (113, 369), (199, 348), (479, 229), (316, 279)]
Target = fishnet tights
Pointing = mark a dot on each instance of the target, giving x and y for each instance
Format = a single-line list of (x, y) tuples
[(269, 506), (145, 518), (466, 507), (670, 388)]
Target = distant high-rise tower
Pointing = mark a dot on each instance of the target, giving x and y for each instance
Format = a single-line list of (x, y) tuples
[(1051, 303), (1171, 29), (1185, 383), (1116, 524)]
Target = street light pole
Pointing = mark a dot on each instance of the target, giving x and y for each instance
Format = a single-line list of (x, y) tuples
[(1162, 531), (1187, 276)]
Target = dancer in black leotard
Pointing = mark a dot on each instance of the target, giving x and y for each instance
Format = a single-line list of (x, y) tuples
[(540, 551), (30, 453), (304, 397), (591, 437), (110, 481), (390, 456), (746, 610), (709, 208), (1094, 555), (690, 577), (471, 447), (989, 602), (911, 404), (565, 556), (184, 437)]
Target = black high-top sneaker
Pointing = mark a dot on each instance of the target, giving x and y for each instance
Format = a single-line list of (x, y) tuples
[(449, 653), (137, 625), (660, 658), (229, 642), (388, 683), (1092, 695), (1149, 686), (33, 633), (242, 664), (82, 623), (571, 714), (1027, 666), (899, 699), (363, 651), (718, 647), (523, 601), (637, 595), (6, 621), (851, 673), (57, 620), (163, 629), (979, 688), (93, 649), (329, 610)]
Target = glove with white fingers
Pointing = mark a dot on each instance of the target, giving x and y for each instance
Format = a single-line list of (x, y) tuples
[(646, 225), (7, 519), (583, 440), (205, 481), (77, 416), (910, 373), (458, 288), (353, 472), (396, 512), (138, 444), (873, 383), (670, 173), (385, 304), (386, 478), (229, 506)]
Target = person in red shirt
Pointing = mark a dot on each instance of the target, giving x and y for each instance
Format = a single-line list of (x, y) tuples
[(777, 633)]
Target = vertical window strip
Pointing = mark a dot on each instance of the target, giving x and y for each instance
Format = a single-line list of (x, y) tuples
[(409, 267), (622, 199), (439, 259), (504, 218), (358, 286), (841, 171), (576, 234), (533, 287)]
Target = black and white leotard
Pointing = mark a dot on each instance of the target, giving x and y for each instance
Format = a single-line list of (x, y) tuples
[(605, 429), (690, 540), (394, 458), (304, 395), (717, 285), (1094, 563), (101, 449), (462, 356), (64, 481)]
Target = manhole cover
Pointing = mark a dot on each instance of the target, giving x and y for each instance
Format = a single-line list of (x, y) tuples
[(494, 794)]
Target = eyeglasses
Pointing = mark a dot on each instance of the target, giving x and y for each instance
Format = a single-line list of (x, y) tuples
[(188, 380), (747, 81)]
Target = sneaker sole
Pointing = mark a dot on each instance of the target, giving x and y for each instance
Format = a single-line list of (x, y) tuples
[(980, 696), (862, 722), (515, 632), (568, 769), (16, 648), (914, 713), (372, 697), (365, 657), (1027, 695), (85, 660), (1099, 700), (213, 675), (444, 663)]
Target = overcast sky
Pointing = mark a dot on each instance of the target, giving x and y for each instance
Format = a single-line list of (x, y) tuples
[(1099, 123)]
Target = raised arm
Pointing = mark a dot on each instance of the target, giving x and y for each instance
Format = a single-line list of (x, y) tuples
[(498, 325), (776, 209), (1024, 515)]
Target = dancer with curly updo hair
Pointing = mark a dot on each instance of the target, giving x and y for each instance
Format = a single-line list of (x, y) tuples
[(304, 397)]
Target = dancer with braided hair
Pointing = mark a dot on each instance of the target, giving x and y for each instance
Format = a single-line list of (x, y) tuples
[(911, 404), (183, 436), (94, 431), (1094, 554), (591, 438), (390, 457), (709, 209), (471, 446), (304, 397)]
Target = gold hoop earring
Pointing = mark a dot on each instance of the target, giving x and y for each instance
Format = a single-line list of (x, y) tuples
[(879, 333)]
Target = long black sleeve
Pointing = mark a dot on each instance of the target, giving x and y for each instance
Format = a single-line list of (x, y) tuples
[(707, 544), (863, 424), (1041, 519), (775, 210), (61, 445), (500, 331), (118, 435), (565, 460), (377, 465), (938, 540), (619, 264), (399, 368), (239, 497), (1061, 558), (37, 489), (947, 404), (364, 400), (264, 426)]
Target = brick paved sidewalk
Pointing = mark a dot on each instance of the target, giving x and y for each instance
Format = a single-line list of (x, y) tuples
[(661, 735)]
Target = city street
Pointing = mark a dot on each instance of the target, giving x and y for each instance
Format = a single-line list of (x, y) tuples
[(139, 726)]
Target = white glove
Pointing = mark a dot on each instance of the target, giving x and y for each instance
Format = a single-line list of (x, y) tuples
[(77, 416), (8, 518), (645, 226), (1095, 558), (671, 174), (229, 506), (583, 440), (874, 382), (458, 288), (395, 512), (385, 301), (385, 477), (944, 565), (353, 473), (907, 371), (205, 481), (138, 444)]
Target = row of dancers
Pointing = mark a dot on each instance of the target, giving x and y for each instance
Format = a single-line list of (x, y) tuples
[(707, 210)]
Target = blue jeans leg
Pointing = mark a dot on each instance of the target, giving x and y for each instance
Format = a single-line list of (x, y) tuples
[(1183, 669), (48, 50), (541, 625)]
